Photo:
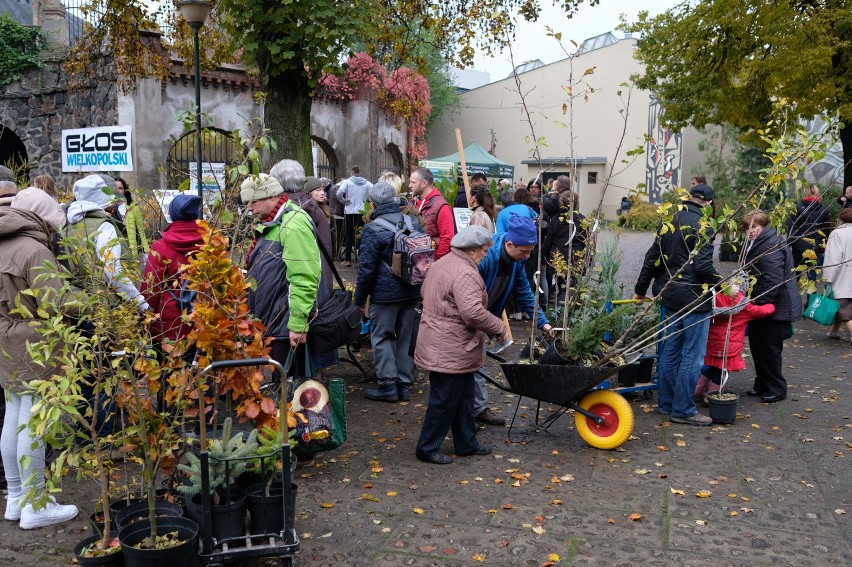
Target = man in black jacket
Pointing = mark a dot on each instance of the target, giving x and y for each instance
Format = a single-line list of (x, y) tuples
[(681, 260)]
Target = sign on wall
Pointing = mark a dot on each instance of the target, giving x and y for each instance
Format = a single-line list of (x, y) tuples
[(107, 148), (212, 177)]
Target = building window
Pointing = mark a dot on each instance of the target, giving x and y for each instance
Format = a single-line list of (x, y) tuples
[(216, 147), (391, 160), (324, 159), (592, 177)]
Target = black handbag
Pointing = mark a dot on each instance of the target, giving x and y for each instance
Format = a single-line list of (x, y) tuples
[(338, 320)]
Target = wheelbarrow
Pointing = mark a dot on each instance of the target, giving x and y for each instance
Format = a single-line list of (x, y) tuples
[(604, 418)]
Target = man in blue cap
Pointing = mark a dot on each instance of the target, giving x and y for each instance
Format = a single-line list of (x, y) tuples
[(502, 269)]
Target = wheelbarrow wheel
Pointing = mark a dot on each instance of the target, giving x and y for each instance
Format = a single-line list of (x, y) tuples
[(618, 419)]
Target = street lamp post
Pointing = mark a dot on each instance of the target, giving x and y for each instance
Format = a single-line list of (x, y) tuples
[(195, 13)]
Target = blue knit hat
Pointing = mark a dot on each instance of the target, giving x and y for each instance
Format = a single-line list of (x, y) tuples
[(184, 207), (521, 231)]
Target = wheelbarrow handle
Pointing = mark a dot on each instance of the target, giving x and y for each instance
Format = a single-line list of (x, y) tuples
[(496, 357), (219, 364), (494, 382), (623, 301)]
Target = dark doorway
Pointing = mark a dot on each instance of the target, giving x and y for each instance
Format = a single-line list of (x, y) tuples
[(13, 153)]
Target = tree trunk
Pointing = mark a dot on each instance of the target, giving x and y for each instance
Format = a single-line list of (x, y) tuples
[(846, 143), (287, 114)]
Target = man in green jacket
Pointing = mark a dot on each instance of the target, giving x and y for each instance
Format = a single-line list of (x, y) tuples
[(284, 261)]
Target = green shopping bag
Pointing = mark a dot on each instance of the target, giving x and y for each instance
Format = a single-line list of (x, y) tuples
[(822, 308)]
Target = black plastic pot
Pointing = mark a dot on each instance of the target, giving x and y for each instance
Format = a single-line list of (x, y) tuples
[(228, 520), (266, 514), (627, 375), (723, 411), (181, 555), (119, 505), (552, 356), (112, 560), (97, 522), (139, 511)]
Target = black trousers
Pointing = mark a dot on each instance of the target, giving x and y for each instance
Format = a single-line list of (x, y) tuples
[(450, 407), (352, 222), (766, 340)]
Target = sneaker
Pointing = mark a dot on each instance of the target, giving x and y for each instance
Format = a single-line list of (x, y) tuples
[(13, 510), (835, 336), (51, 514), (697, 419), (488, 417), (516, 316)]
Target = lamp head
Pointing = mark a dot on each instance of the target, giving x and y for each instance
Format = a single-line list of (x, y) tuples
[(195, 12)]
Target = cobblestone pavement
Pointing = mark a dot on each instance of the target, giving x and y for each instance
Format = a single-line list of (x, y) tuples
[(777, 482)]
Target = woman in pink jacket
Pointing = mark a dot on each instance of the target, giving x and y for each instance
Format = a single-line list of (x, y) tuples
[(453, 328)]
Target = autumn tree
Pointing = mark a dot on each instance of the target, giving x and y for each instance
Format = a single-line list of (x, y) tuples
[(726, 61), (290, 44)]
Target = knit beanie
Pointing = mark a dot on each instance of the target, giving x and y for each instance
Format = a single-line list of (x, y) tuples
[(257, 187), (521, 231), (184, 208), (92, 188), (37, 201), (382, 193), (311, 183), (470, 237)]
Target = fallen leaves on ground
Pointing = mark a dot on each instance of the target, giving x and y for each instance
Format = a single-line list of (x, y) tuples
[(676, 491), (369, 497), (327, 505), (479, 557), (703, 494), (418, 510), (635, 517), (538, 530)]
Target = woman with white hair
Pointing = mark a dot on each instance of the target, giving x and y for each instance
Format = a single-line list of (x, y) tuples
[(26, 233)]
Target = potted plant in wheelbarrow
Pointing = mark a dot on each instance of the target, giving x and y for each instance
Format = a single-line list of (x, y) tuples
[(264, 499)]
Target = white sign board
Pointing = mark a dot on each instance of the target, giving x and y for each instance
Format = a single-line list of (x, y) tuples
[(164, 199), (462, 217), (97, 149), (212, 177)]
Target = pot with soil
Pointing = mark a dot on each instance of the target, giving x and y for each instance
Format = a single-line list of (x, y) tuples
[(227, 517), (175, 543), (723, 407), (97, 522), (86, 553), (141, 510), (266, 507)]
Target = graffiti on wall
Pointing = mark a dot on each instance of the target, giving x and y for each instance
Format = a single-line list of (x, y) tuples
[(663, 155), (828, 170)]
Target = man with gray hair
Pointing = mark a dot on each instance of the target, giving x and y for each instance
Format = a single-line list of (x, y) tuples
[(291, 176)]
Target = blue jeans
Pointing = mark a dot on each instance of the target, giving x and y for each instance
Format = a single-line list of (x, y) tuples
[(680, 362)]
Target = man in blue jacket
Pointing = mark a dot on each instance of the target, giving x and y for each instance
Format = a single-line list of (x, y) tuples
[(502, 269)]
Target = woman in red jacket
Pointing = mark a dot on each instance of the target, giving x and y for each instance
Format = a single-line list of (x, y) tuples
[(161, 280), (737, 309)]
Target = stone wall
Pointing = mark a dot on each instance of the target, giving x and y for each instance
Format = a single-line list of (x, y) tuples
[(38, 107)]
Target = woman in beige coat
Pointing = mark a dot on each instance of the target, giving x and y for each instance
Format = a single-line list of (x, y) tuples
[(453, 328), (837, 270)]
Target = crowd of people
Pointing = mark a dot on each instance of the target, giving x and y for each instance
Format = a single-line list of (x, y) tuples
[(442, 324)]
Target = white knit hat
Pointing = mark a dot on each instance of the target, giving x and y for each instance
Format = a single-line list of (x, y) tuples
[(37, 201), (262, 186), (93, 189)]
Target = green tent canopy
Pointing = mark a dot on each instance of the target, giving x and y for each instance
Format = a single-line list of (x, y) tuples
[(477, 160)]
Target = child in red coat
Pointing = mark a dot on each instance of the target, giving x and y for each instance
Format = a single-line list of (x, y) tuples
[(743, 311)]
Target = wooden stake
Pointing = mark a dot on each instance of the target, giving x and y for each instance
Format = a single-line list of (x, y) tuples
[(508, 328), (464, 172)]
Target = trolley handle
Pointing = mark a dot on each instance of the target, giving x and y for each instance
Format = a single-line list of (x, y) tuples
[(245, 362)]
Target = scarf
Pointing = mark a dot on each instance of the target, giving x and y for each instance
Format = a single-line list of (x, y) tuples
[(269, 218)]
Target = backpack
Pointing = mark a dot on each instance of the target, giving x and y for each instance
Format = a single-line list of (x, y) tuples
[(412, 251), (183, 296)]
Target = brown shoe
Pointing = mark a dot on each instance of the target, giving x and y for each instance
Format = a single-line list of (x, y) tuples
[(697, 419), (488, 417)]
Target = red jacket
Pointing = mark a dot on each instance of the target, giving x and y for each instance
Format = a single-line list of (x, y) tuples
[(438, 218), (719, 329), (160, 277)]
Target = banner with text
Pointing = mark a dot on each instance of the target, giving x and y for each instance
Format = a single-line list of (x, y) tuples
[(97, 149)]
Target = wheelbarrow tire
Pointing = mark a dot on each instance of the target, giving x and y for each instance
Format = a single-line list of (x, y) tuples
[(618, 415)]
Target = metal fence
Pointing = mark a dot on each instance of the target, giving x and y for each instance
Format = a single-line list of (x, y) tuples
[(77, 16)]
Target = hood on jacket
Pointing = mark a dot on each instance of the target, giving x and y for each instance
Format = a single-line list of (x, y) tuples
[(78, 209), (93, 188), (183, 236), (18, 222), (358, 180)]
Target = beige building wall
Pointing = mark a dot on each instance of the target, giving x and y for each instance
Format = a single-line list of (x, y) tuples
[(610, 114)]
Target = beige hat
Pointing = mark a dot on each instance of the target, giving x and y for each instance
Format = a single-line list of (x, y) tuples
[(472, 236), (257, 187), (38, 202)]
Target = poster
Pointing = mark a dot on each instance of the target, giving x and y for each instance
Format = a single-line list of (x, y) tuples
[(462, 217), (212, 177), (103, 149)]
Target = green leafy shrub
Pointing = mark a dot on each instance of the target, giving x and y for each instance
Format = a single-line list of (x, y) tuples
[(642, 216), (20, 46)]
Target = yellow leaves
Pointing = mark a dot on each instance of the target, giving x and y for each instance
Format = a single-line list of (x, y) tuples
[(553, 557), (538, 530), (498, 481), (610, 520), (840, 511), (641, 471), (732, 495), (747, 510), (464, 482), (662, 448), (507, 506), (331, 504), (676, 491), (703, 494), (479, 557), (635, 517), (492, 511), (555, 479), (391, 493), (680, 443), (369, 497), (755, 426), (733, 513), (418, 510), (701, 522), (555, 502), (566, 478)]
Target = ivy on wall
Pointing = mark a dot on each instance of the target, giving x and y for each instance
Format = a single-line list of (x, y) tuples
[(20, 46)]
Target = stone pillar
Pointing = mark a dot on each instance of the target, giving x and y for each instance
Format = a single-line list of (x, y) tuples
[(52, 17)]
